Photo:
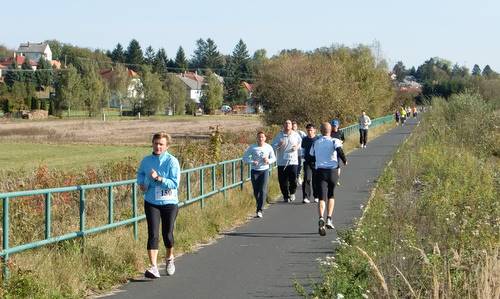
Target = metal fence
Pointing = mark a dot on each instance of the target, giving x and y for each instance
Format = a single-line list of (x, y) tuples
[(200, 183)]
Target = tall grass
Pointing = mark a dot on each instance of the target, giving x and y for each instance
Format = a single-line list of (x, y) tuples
[(432, 228)]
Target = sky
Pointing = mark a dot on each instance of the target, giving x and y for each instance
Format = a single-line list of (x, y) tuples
[(465, 32)]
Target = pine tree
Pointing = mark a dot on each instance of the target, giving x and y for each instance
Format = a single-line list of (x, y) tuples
[(149, 56), (134, 55), (118, 55), (181, 62), (212, 57), (488, 72), (476, 70), (238, 69), (160, 63), (198, 60)]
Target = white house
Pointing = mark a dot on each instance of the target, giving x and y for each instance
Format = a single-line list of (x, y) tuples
[(34, 51), (194, 84)]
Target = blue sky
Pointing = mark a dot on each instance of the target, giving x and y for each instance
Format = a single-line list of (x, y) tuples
[(464, 32)]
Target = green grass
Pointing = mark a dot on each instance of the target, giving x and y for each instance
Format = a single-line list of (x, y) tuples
[(432, 227), (64, 156)]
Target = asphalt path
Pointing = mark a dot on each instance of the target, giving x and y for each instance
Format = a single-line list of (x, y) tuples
[(264, 257)]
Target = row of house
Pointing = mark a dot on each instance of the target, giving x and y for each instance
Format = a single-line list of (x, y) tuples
[(193, 81)]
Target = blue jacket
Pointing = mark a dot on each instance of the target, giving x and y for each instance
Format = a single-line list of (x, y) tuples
[(165, 191)]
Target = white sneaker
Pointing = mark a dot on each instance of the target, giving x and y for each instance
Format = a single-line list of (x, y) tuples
[(152, 272), (329, 223), (321, 229), (170, 267), (259, 214), (292, 197), (306, 200), (316, 200)]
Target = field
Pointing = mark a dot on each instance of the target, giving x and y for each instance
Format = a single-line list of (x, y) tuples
[(119, 132), (71, 144)]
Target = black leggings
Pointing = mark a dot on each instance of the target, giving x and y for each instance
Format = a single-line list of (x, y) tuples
[(167, 214), (363, 136), (287, 177)]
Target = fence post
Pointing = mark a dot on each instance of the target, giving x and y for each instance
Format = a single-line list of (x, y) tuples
[(134, 211), (5, 214), (110, 204), (82, 218), (242, 173), (48, 218), (224, 180), (202, 187)]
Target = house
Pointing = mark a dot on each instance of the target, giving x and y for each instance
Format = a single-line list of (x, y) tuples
[(194, 84), (134, 89), (34, 51)]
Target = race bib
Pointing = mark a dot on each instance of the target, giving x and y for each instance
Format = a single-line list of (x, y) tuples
[(165, 194)]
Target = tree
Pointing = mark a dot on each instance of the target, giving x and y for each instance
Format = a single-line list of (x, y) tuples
[(18, 96), (134, 56), (199, 54), (160, 63), (259, 58), (400, 71), (119, 83), (212, 94), (55, 48), (212, 58), (336, 82), (118, 55), (459, 71), (238, 69), (489, 73), (181, 62), (68, 90), (28, 73), (476, 70), (177, 94), (149, 56), (95, 90), (43, 74), (155, 97)]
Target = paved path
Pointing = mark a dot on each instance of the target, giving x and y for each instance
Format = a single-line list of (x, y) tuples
[(262, 258)]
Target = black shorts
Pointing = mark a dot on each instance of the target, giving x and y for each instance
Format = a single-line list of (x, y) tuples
[(325, 181)]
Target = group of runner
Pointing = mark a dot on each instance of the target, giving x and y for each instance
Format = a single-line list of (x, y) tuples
[(294, 150), (402, 114), (158, 178)]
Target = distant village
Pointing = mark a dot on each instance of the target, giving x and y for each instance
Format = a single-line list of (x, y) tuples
[(31, 53)]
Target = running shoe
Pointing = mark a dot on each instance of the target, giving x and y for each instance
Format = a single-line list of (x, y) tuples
[(152, 272), (292, 197), (321, 230), (329, 223), (170, 267), (306, 200), (316, 200), (259, 214)]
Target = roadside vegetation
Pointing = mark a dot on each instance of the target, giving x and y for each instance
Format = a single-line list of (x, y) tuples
[(432, 227)]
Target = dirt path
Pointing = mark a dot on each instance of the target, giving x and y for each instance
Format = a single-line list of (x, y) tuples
[(118, 131)]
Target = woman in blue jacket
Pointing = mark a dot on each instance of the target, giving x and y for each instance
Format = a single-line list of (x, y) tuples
[(158, 178)]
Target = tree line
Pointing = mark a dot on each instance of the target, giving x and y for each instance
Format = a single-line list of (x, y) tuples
[(439, 77), (78, 84)]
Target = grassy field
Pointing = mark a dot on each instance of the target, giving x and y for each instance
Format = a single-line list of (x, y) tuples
[(64, 156), (432, 226)]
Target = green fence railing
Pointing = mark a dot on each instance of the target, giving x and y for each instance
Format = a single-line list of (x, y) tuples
[(200, 183)]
